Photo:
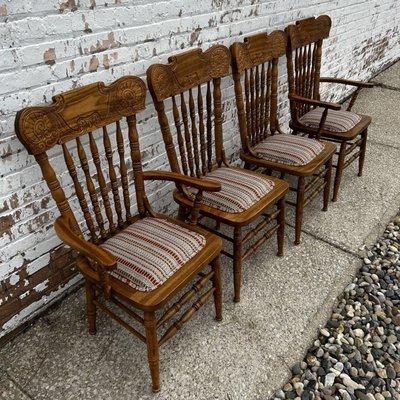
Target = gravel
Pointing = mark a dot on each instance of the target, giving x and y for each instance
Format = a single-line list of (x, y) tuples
[(357, 353)]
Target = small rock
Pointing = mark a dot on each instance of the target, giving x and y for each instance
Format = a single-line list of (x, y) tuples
[(330, 379)]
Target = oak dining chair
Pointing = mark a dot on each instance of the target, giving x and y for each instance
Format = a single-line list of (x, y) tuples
[(191, 85), (264, 145), (310, 115), (137, 262)]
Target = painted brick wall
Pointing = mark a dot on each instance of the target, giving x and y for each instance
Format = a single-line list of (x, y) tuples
[(49, 46)]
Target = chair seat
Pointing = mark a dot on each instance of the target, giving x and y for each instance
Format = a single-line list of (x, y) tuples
[(240, 189), (289, 149), (336, 121), (151, 250)]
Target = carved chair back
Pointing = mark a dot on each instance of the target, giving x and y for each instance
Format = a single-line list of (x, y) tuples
[(303, 54), (192, 82), (255, 66), (71, 122)]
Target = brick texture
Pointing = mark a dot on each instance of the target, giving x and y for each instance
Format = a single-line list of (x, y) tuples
[(49, 46)]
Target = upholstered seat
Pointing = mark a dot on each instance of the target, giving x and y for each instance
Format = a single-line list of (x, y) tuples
[(151, 250), (336, 121), (240, 189), (288, 149)]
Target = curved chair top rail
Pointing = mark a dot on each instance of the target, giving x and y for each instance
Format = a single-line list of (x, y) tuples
[(78, 112), (309, 30), (258, 49), (188, 70)]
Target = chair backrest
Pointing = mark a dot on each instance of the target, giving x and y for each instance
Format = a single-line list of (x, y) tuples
[(304, 58), (79, 113), (255, 65), (184, 80)]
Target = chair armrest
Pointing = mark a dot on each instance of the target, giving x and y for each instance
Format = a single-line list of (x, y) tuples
[(201, 184), (101, 256), (316, 103), (346, 82)]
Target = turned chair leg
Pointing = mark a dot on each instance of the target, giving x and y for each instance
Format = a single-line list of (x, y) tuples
[(237, 262), (91, 307), (363, 149), (216, 265), (299, 208), (339, 170), (150, 325), (182, 212), (327, 188), (281, 229)]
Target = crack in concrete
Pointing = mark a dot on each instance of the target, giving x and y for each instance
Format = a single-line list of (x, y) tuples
[(19, 387), (385, 86), (327, 241)]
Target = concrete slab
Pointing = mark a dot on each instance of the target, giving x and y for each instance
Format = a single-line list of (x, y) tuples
[(9, 390), (390, 77), (385, 114), (247, 356), (365, 203)]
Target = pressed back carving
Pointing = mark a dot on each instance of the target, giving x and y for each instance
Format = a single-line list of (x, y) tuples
[(192, 80), (101, 188), (255, 66), (304, 52)]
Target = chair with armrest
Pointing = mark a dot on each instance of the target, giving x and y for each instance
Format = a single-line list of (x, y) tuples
[(310, 115), (192, 81), (137, 262)]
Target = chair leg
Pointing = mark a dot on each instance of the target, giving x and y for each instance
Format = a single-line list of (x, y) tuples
[(153, 356), (281, 229), (363, 149), (339, 170), (299, 208), (216, 265), (91, 307), (327, 188), (237, 262), (182, 212)]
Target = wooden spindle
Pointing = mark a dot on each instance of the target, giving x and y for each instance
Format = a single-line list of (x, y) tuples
[(91, 188), (209, 126), (113, 176), (136, 163), (248, 106), (317, 69), (263, 126), (218, 121), (274, 95), (123, 171), (79, 192), (252, 107), (201, 131), (195, 138), (268, 98), (181, 143), (257, 104), (102, 181), (187, 135)]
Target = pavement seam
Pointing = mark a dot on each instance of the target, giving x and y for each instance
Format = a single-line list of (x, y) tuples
[(20, 388), (376, 142), (385, 86), (327, 241)]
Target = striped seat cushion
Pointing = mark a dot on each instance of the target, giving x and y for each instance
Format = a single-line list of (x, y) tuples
[(336, 121), (151, 250), (240, 189), (288, 149)]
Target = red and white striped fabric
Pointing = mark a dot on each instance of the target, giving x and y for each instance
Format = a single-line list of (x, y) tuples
[(151, 250), (239, 189), (336, 121), (288, 149)]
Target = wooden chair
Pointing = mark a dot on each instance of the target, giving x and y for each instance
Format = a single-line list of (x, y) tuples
[(263, 144), (138, 261), (309, 114), (244, 195)]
